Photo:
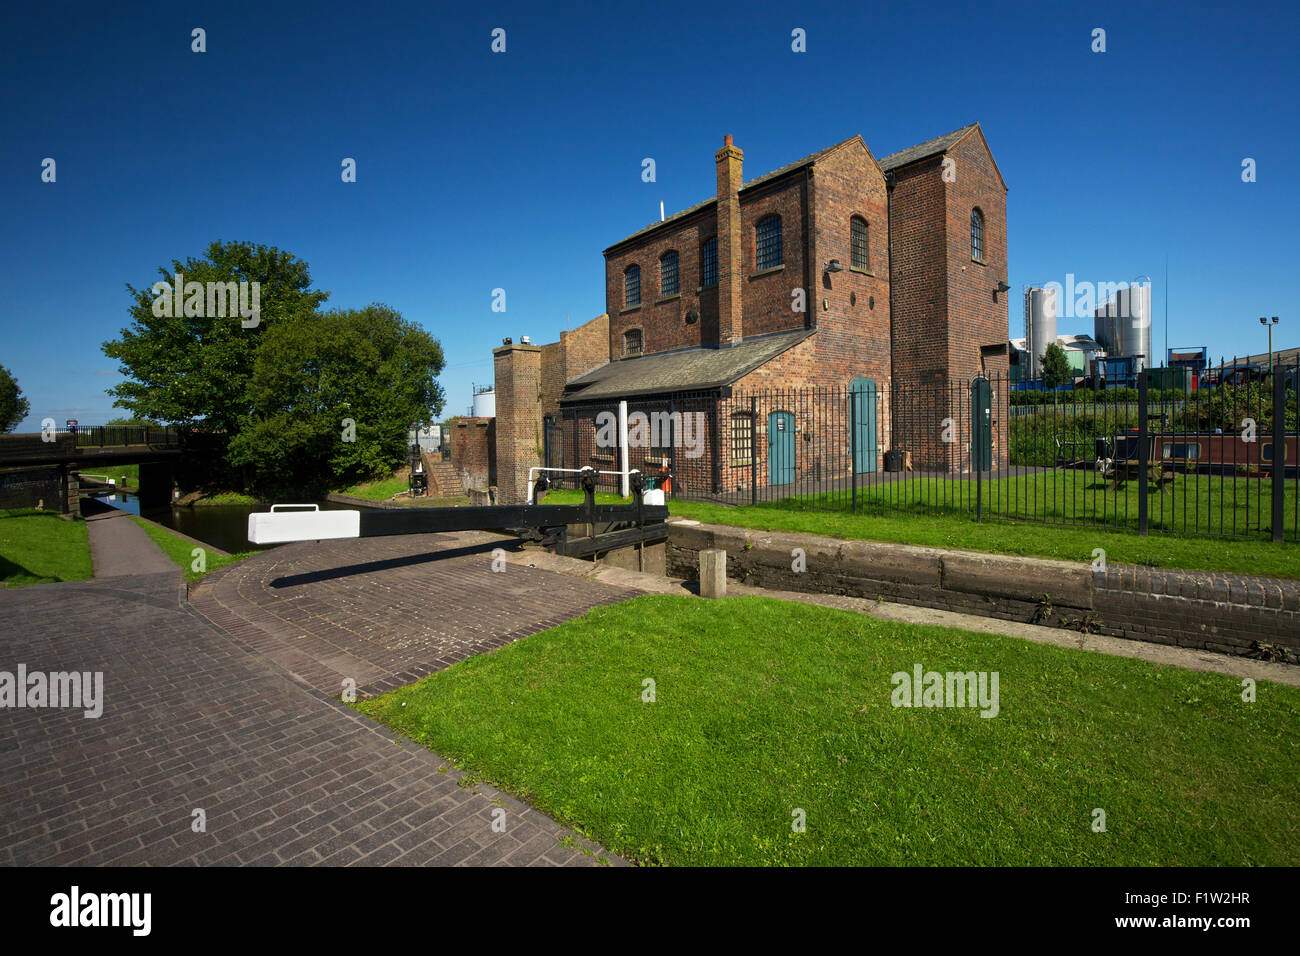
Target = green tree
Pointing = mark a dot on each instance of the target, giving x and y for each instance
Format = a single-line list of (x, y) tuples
[(194, 370), (1226, 408), (13, 406), (369, 366), (1056, 367)]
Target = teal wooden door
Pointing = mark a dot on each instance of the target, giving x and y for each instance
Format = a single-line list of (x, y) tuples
[(780, 448), (863, 393)]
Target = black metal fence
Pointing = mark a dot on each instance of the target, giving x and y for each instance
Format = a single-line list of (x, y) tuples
[(1204, 461), (102, 436)]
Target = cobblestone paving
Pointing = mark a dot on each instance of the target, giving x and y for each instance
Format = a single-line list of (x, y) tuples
[(194, 719), (387, 611)]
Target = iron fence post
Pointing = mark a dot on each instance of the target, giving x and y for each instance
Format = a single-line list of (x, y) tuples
[(753, 450), (1144, 454), (977, 450), (853, 446), (1279, 447)]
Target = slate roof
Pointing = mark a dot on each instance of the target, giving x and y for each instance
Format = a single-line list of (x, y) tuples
[(685, 370), (931, 147)]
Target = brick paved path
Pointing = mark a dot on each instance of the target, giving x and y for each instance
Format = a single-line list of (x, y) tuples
[(387, 611), (194, 719)]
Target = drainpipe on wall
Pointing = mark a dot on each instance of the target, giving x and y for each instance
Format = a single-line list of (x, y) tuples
[(890, 179)]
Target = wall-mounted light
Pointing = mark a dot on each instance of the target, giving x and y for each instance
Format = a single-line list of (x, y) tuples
[(507, 341), (834, 266), (1002, 287)]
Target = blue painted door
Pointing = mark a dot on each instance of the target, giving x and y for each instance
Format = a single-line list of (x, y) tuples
[(863, 393), (780, 448)]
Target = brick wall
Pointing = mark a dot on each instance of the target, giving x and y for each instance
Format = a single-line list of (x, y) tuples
[(473, 450), (26, 487), (663, 322), (578, 350), (976, 317), (850, 309), (918, 274), (518, 418)]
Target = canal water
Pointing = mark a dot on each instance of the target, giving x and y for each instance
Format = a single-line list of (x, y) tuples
[(222, 526)]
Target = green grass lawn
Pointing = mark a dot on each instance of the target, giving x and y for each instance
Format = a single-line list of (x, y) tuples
[(766, 707), (380, 490), (181, 550), (225, 498), (1066, 542), (39, 547)]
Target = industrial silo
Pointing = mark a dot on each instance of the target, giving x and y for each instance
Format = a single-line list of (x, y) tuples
[(1040, 326), (1133, 323), (1123, 324), (1104, 331), (485, 404)]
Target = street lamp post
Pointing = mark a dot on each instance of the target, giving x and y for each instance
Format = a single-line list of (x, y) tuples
[(1265, 322)]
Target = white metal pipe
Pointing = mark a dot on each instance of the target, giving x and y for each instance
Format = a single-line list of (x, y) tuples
[(622, 442)]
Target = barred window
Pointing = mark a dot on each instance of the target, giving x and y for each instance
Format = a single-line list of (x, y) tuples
[(741, 438), (709, 263), (977, 235), (668, 274), (859, 251), (767, 243), (632, 286), (632, 342)]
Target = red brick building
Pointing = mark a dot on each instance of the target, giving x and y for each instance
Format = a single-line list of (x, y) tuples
[(874, 277)]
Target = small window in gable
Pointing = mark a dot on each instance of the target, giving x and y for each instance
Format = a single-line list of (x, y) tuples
[(859, 248)]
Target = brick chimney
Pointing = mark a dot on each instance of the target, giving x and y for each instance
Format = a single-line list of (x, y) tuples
[(730, 252)]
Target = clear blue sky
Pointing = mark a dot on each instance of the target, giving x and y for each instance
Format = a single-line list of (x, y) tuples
[(479, 170)]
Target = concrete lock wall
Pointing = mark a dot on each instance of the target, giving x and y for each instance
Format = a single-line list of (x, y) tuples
[(1225, 613)]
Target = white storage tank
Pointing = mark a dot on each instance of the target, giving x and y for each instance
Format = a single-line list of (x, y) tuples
[(1040, 325), (485, 405)]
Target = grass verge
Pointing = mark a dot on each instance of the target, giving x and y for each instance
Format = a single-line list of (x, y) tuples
[(181, 551), (379, 490), (40, 547), (1032, 539), (764, 708)]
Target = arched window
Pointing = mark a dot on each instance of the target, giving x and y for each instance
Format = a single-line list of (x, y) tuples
[(859, 247), (632, 342), (767, 243), (668, 274), (709, 263), (977, 234), (632, 286)]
